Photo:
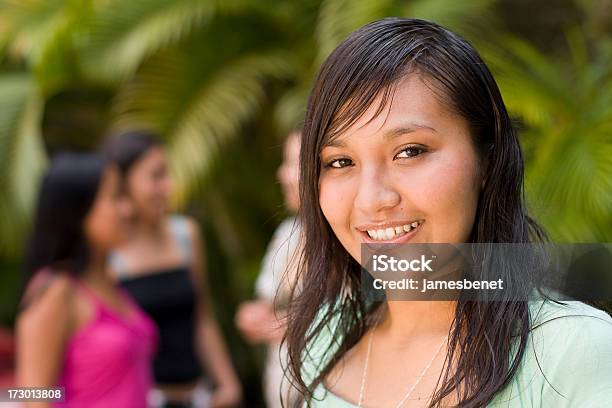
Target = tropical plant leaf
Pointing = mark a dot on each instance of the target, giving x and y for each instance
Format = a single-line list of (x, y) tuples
[(468, 17), (197, 113), (566, 108), (42, 35), (338, 18), (24, 25), (123, 34), (21, 157)]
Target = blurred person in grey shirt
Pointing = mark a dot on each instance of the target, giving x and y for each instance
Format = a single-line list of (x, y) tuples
[(261, 320)]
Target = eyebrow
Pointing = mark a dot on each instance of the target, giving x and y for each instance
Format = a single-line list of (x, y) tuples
[(391, 134)]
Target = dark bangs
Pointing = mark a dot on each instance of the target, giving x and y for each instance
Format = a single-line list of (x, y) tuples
[(361, 70)]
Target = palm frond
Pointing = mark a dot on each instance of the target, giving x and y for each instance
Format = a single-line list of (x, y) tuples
[(42, 36), (338, 18), (123, 33), (566, 106), (25, 24), (21, 156), (468, 17), (197, 111), (532, 84), (291, 107)]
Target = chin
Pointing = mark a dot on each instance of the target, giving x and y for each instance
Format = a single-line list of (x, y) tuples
[(155, 213)]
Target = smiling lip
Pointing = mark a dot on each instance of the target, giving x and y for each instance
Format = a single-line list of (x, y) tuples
[(407, 236)]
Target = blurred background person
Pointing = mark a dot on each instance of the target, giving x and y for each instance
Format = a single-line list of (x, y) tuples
[(262, 320), (76, 329), (162, 266)]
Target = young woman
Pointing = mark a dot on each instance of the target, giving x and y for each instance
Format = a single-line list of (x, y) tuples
[(162, 267), (76, 329), (407, 139)]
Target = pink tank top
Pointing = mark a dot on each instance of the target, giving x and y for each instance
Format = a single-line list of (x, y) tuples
[(107, 362)]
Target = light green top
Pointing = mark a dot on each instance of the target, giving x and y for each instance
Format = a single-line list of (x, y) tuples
[(573, 349)]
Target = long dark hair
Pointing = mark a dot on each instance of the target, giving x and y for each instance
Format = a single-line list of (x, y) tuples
[(367, 65), (66, 196)]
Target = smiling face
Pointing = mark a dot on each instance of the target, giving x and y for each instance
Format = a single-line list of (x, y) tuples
[(412, 175)]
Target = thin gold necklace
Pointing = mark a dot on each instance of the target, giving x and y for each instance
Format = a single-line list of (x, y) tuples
[(364, 376)]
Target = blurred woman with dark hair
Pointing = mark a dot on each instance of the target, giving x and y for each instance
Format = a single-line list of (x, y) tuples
[(162, 266), (76, 329)]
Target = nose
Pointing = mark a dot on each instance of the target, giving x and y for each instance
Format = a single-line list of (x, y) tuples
[(375, 192)]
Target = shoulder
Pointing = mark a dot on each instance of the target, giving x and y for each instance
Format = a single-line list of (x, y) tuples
[(47, 288), (186, 231), (288, 226), (576, 327), (291, 228), (47, 301), (286, 237), (570, 353), (572, 318), (324, 341), (184, 224), (180, 220)]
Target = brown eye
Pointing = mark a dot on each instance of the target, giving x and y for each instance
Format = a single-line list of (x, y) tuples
[(339, 163), (411, 151)]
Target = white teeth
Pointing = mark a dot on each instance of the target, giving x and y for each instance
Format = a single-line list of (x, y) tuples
[(391, 233)]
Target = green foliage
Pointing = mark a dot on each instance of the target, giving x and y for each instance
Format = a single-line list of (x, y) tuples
[(122, 34), (565, 105), (192, 70), (223, 80), (199, 71), (21, 157), (42, 35)]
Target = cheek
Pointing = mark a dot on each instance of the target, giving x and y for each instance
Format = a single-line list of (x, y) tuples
[(102, 226), (140, 192), (449, 202), (336, 199)]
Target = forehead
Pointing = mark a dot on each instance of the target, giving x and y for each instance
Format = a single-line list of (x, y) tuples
[(152, 157), (413, 103)]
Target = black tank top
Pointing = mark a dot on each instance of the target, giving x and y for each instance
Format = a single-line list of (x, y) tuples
[(169, 297)]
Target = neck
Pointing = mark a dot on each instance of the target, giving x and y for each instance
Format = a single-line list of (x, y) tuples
[(403, 320), (149, 228), (96, 271)]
